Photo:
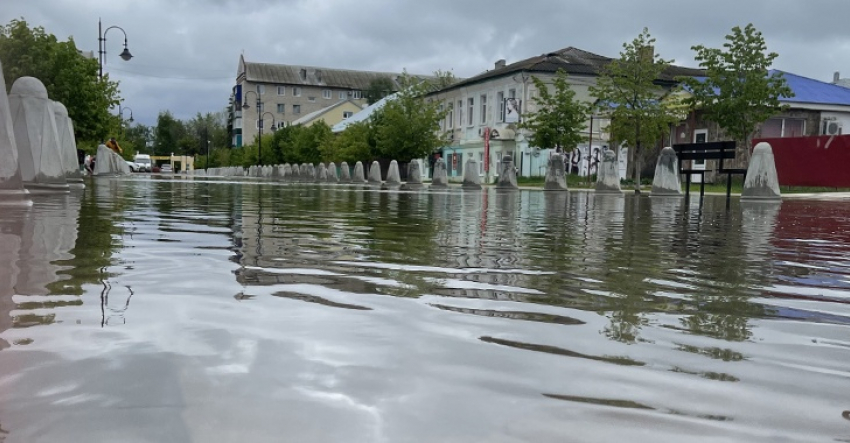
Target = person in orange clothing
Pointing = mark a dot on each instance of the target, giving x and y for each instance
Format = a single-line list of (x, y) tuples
[(113, 145)]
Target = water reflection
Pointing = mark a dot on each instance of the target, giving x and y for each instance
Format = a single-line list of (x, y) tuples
[(201, 306)]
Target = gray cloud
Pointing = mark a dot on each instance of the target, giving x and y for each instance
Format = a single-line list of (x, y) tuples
[(186, 52)]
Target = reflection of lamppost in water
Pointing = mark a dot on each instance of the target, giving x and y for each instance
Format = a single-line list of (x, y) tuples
[(101, 46), (104, 304)]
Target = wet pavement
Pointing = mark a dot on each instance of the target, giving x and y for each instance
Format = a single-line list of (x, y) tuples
[(157, 310)]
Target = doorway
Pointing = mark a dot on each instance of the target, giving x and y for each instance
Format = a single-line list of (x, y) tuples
[(700, 136)]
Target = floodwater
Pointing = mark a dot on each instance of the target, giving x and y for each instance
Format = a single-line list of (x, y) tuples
[(151, 310)]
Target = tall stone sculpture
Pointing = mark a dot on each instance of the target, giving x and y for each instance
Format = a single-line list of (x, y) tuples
[(440, 178), (375, 173), (556, 179), (762, 182), (507, 174), (67, 146), (666, 181), (11, 185), (414, 177), (344, 173), (608, 178), (109, 163), (471, 179), (35, 135)]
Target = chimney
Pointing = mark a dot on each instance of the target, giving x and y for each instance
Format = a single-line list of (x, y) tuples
[(836, 77), (500, 63), (647, 52)]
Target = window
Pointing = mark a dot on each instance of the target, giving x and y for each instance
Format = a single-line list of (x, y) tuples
[(281, 90), (480, 163), (347, 114), (470, 106), (260, 107), (450, 116), (500, 102), (260, 124), (441, 123), (357, 94), (783, 127), (459, 113), (343, 95), (261, 89), (311, 99), (281, 108), (296, 91), (483, 108), (327, 94), (296, 109)]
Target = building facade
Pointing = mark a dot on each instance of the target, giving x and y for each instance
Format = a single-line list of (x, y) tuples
[(277, 95), (484, 113)]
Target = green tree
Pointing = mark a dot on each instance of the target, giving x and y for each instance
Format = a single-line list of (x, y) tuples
[(626, 91), (738, 93), (350, 145), (168, 134), (68, 76), (561, 118), (408, 123), (379, 88)]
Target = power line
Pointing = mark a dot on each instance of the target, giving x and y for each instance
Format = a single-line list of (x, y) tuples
[(229, 77)]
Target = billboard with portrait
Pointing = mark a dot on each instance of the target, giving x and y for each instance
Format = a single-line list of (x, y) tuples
[(513, 110)]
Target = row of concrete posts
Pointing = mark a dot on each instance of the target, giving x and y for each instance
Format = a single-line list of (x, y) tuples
[(761, 179)]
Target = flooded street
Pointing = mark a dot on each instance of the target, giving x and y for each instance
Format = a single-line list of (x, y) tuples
[(150, 310)]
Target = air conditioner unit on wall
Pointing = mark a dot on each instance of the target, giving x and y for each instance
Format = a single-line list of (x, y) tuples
[(831, 128)]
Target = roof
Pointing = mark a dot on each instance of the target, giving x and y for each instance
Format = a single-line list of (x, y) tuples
[(809, 90), (316, 114), (362, 115), (310, 75), (573, 61)]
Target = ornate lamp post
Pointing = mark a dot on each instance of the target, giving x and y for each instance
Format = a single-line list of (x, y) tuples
[(260, 115), (121, 110), (101, 46)]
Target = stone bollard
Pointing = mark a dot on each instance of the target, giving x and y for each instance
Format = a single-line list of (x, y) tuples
[(507, 174), (608, 178), (286, 175), (359, 173), (67, 146), (666, 181), (471, 179), (414, 177), (762, 182), (556, 179), (393, 175), (321, 174), (311, 173), (11, 185), (375, 173), (440, 178), (332, 177), (344, 173), (36, 138)]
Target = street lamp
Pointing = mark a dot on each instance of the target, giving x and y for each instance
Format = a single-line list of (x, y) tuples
[(121, 110), (101, 46), (260, 115)]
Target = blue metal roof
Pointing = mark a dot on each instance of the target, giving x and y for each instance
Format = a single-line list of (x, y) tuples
[(807, 90)]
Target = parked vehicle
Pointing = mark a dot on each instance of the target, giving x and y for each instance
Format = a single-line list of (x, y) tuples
[(165, 168), (143, 161), (133, 166)]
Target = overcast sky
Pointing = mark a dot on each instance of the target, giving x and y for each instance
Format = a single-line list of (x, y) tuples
[(186, 51)]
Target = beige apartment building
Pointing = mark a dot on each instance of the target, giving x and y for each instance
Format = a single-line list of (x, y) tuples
[(287, 93)]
